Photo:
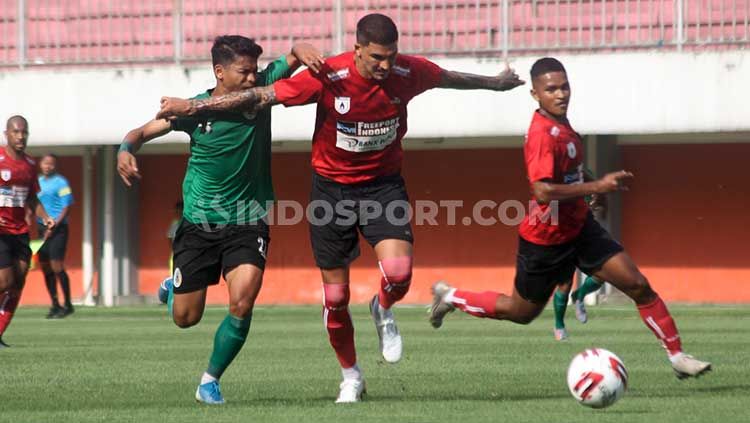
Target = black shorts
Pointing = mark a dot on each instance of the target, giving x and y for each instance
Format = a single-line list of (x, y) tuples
[(378, 209), (55, 246), (539, 268), (14, 248), (201, 257)]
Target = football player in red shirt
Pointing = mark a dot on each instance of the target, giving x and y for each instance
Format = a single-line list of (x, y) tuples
[(362, 99), (549, 251), (18, 188)]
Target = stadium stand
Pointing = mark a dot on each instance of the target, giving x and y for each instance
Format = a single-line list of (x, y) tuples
[(85, 32)]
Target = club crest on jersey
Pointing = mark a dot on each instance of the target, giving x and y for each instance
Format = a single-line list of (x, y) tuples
[(5, 175), (342, 104), (572, 150), (177, 277), (554, 131)]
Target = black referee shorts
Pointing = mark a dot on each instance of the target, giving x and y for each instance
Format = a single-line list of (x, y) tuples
[(539, 268), (56, 245)]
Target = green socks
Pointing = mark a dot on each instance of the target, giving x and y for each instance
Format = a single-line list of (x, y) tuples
[(560, 302), (228, 341), (589, 285)]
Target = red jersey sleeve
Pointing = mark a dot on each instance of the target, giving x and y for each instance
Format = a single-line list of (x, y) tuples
[(540, 157), (303, 88), (428, 74)]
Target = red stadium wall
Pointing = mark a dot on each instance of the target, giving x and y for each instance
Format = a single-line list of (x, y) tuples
[(683, 226), (685, 220)]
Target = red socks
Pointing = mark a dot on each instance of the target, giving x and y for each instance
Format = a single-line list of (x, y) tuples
[(8, 304), (657, 318), (339, 323), (480, 304)]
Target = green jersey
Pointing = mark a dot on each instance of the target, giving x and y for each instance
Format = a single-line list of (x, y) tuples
[(228, 176)]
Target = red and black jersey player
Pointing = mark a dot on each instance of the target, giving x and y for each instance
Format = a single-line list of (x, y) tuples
[(549, 251), (362, 99), (18, 188)]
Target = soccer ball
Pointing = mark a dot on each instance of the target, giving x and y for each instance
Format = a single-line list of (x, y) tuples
[(597, 378)]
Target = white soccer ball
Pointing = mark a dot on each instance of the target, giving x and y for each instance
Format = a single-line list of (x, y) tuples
[(597, 378)]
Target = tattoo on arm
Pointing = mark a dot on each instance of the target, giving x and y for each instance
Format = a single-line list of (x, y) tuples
[(468, 81), (252, 99)]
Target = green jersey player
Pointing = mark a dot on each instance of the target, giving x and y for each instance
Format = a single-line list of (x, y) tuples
[(226, 189)]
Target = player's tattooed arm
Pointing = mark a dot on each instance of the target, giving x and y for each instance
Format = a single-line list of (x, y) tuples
[(506, 80), (253, 99)]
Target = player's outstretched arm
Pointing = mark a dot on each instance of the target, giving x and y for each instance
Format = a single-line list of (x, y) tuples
[(506, 80), (305, 54), (127, 166), (546, 192), (252, 99)]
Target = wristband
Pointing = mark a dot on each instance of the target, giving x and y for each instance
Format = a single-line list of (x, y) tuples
[(126, 146)]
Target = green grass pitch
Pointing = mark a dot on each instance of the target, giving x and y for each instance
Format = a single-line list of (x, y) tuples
[(133, 365)]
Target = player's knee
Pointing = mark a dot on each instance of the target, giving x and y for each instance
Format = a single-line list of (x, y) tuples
[(641, 291), (397, 270), (336, 296), (186, 319), (241, 308)]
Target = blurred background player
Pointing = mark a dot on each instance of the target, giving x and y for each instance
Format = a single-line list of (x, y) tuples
[(18, 190), (166, 284), (362, 99), (549, 251), (560, 303), (56, 197), (226, 189)]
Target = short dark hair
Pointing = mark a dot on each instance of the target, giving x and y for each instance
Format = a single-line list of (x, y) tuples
[(226, 48), (15, 118), (546, 65), (53, 155), (376, 28)]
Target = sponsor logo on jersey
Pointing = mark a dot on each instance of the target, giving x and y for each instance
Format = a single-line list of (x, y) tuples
[(177, 277), (575, 176), (13, 196), (572, 150), (342, 104), (338, 75), (554, 131), (359, 137), (401, 71), (5, 174)]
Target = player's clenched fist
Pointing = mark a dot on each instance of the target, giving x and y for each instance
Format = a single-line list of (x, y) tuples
[(173, 107)]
